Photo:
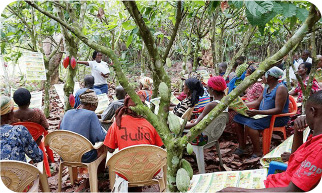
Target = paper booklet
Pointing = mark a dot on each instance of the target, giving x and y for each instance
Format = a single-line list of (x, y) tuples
[(240, 107), (286, 146), (213, 182)]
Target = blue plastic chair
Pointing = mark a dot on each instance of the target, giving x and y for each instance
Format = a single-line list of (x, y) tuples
[(274, 165)]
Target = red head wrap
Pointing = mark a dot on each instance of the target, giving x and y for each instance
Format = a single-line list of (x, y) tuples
[(217, 83)]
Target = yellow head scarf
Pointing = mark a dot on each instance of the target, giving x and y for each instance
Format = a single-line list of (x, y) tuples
[(6, 105)]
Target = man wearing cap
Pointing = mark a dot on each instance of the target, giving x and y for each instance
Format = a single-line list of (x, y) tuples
[(15, 141), (273, 101), (84, 121)]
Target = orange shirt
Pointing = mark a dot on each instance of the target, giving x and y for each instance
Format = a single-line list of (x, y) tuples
[(133, 131)]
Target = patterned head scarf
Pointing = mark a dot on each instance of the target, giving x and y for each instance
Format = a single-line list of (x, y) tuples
[(88, 97), (275, 72), (6, 105), (146, 82), (217, 83)]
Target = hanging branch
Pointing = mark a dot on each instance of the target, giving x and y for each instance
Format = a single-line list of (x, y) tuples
[(175, 30), (307, 92)]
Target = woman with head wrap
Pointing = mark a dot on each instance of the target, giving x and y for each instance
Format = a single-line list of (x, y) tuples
[(146, 88), (193, 89), (22, 98), (216, 87), (84, 121), (16, 141), (274, 100)]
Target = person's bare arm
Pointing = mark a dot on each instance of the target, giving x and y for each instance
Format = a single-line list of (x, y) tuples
[(280, 100), (83, 62), (292, 92), (290, 188), (205, 112), (299, 126), (255, 104)]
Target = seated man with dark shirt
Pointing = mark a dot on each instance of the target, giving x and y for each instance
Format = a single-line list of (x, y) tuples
[(89, 84), (109, 112), (304, 168), (84, 121)]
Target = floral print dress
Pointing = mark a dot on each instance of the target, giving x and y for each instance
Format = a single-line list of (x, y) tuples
[(16, 143)]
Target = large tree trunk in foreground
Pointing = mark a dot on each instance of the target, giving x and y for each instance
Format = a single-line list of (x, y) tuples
[(175, 146)]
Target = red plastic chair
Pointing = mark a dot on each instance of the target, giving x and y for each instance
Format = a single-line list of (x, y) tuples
[(268, 132), (36, 131)]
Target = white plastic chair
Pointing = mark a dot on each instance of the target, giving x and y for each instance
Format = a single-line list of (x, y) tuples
[(213, 131), (138, 164), (18, 175), (71, 146)]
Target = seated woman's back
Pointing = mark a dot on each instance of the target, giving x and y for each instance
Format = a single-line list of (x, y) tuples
[(25, 114)]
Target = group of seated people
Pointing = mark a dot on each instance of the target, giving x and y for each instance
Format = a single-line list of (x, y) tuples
[(272, 99)]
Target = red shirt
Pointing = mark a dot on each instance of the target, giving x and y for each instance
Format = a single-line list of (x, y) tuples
[(304, 167), (133, 131)]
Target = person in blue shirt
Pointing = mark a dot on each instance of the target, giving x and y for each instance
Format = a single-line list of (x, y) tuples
[(85, 122), (89, 84), (15, 141)]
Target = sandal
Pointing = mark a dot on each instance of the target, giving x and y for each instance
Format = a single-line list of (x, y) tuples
[(239, 151)]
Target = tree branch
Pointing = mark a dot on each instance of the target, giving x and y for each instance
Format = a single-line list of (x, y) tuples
[(175, 31)]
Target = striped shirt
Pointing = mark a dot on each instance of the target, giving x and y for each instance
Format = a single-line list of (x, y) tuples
[(182, 107)]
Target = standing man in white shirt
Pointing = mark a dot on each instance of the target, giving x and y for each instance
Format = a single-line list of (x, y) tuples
[(305, 57), (100, 71)]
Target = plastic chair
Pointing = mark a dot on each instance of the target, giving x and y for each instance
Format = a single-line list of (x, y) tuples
[(18, 175), (36, 131), (213, 131), (139, 164), (71, 146), (274, 165), (268, 132)]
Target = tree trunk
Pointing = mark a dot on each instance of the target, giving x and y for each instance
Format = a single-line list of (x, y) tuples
[(195, 56)]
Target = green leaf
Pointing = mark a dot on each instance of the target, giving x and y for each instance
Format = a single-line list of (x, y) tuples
[(257, 8), (238, 4), (200, 3), (302, 14), (129, 40), (111, 26), (10, 34), (289, 9)]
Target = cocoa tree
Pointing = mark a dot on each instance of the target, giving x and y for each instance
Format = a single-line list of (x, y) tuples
[(50, 50)]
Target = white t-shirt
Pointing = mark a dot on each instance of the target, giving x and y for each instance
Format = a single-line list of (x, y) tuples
[(308, 59), (97, 69)]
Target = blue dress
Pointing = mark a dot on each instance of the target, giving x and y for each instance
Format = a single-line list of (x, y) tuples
[(268, 102), (16, 143)]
